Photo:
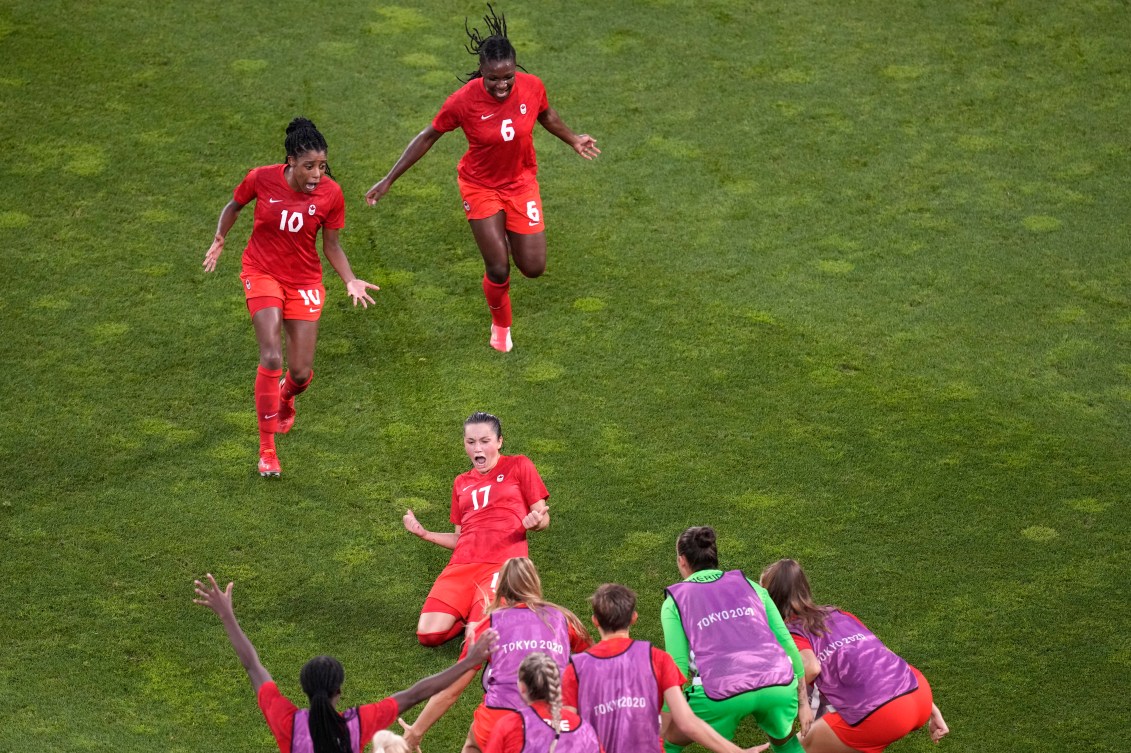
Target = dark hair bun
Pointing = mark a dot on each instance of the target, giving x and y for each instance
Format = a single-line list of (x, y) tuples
[(298, 123), (705, 536)]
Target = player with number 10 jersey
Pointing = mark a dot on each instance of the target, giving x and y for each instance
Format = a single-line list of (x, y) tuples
[(493, 506)]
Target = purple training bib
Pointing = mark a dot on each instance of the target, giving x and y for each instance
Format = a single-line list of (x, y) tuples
[(619, 696), (521, 631), (300, 733), (732, 646), (537, 736), (858, 672)]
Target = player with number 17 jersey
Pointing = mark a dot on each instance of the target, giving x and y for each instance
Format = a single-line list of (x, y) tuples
[(489, 510)]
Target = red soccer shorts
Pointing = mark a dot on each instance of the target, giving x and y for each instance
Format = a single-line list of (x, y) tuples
[(468, 588), (483, 723), (523, 205), (890, 722), (264, 292)]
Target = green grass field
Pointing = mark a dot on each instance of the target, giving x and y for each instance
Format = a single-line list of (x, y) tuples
[(851, 282)]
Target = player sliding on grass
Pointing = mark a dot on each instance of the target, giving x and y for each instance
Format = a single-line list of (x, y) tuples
[(321, 729), (282, 275), (727, 629), (493, 506), (497, 110), (879, 698), (619, 684)]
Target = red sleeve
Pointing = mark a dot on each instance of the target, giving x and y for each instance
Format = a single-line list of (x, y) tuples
[(507, 736), (578, 642), (336, 217), (667, 673), (279, 713), (375, 717), (543, 102), (533, 490), (801, 642), (569, 686), (245, 191), (448, 119), (850, 614), (454, 516)]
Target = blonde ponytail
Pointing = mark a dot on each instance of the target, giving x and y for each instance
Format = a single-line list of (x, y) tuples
[(543, 681)]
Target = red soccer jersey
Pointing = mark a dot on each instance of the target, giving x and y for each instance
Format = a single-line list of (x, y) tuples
[(663, 666), (282, 242), (508, 735), (489, 508), (280, 715), (500, 135)]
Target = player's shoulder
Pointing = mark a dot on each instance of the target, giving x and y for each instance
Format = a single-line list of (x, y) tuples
[(330, 188), (528, 79)]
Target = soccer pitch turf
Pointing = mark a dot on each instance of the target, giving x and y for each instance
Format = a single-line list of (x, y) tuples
[(850, 282)]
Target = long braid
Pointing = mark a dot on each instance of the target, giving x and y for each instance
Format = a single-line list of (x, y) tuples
[(543, 681), (321, 678)]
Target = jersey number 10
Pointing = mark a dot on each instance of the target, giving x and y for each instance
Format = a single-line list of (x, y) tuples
[(290, 221)]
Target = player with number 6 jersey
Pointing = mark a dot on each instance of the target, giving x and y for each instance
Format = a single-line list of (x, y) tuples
[(497, 109), (493, 506), (282, 274)]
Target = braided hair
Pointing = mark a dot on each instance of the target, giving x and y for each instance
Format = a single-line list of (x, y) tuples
[(302, 137), (543, 681), (321, 679), (494, 46)]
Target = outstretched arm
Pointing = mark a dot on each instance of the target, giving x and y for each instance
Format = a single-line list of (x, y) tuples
[(437, 706), (416, 149), (220, 602), (228, 216), (585, 145), (332, 248), (459, 674), (446, 540)]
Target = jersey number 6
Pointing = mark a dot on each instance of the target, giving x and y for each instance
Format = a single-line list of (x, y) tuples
[(507, 130)]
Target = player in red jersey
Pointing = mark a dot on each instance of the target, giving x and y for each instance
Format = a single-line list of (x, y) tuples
[(321, 729), (497, 109), (282, 274), (493, 506)]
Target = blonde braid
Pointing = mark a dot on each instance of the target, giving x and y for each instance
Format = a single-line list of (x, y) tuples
[(543, 681)]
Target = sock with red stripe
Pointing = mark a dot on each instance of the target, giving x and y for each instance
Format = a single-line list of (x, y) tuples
[(267, 405), (498, 300)]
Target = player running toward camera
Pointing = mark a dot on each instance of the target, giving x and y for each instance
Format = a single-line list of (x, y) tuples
[(542, 724), (525, 623), (727, 629), (877, 696), (493, 506), (320, 728), (282, 275), (620, 684), (497, 109)]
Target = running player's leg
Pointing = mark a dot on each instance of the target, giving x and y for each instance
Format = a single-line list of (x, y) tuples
[(302, 338), (267, 321), (491, 238), (526, 229)]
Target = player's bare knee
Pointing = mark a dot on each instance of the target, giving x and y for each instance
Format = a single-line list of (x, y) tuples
[(532, 270), (498, 273), (300, 374), (271, 359)]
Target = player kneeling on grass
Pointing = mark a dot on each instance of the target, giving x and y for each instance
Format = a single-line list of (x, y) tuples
[(543, 724), (620, 684), (879, 698), (321, 729)]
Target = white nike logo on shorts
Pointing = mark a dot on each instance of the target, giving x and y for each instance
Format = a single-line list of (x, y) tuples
[(268, 418), (315, 311), (484, 117), (531, 224)]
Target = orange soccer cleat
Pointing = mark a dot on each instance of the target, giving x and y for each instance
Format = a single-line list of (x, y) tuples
[(269, 464)]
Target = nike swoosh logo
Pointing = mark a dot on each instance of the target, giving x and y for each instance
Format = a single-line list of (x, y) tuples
[(268, 418), (315, 311), (484, 117), (531, 224), (461, 491), (274, 201)]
